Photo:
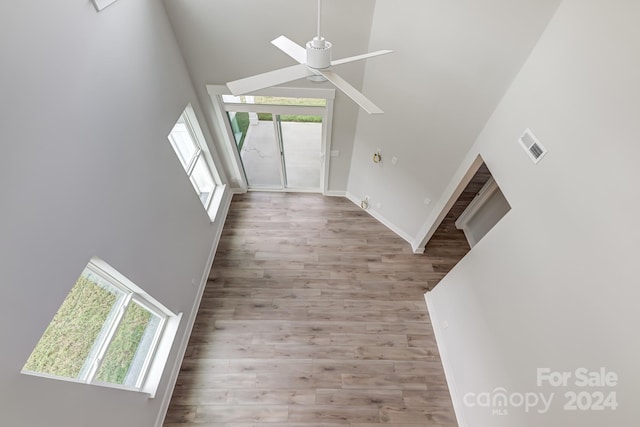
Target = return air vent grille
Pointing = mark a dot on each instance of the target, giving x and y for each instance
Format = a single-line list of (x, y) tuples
[(532, 146)]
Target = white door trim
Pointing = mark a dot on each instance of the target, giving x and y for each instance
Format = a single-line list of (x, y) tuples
[(443, 210)]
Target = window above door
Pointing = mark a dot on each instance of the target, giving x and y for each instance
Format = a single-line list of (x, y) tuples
[(274, 100)]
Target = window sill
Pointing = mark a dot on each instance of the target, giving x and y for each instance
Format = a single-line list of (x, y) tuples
[(216, 201), (152, 381)]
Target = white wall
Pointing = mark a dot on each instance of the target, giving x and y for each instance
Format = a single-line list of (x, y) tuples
[(484, 218), (86, 169), (452, 63), (225, 40), (554, 283)]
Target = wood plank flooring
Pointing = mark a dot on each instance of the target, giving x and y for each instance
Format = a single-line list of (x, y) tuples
[(448, 244), (314, 316)]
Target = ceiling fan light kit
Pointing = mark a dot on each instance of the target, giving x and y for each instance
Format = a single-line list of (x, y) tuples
[(314, 63), (319, 53), (317, 78)]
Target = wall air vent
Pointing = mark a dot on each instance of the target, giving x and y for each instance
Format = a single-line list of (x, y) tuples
[(532, 146)]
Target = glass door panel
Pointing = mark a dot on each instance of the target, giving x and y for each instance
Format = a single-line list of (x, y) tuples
[(259, 150), (302, 147)]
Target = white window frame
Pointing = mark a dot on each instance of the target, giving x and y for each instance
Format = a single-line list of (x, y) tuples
[(101, 345), (213, 201), (157, 355)]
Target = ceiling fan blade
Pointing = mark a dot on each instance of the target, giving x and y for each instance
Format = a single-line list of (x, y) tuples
[(272, 78), (351, 92), (360, 57), (291, 48)]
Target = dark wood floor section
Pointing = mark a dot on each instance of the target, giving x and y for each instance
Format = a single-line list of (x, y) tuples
[(448, 244), (315, 317)]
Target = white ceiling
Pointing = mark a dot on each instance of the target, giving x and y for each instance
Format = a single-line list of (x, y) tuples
[(224, 40), (453, 61)]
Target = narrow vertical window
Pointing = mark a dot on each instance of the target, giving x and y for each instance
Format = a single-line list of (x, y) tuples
[(188, 143)]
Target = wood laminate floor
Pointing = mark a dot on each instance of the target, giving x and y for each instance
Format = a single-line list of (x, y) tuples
[(315, 317), (449, 245)]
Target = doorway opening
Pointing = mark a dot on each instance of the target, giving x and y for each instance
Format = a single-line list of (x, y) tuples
[(473, 211)]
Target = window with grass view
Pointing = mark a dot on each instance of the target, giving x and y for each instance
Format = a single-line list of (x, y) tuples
[(103, 333)]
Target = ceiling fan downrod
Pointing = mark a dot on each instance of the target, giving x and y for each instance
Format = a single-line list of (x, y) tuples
[(319, 16), (319, 49)]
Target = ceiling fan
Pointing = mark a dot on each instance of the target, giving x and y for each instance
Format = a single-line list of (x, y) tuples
[(314, 63)]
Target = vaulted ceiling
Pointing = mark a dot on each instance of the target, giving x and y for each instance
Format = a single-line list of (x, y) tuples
[(453, 61)]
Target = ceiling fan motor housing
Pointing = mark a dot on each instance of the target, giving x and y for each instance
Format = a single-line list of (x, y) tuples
[(319, 53)]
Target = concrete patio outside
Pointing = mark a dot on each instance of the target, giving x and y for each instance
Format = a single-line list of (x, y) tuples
[(302, 143)]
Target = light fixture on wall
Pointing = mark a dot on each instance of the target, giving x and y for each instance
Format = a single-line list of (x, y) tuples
[(377, 157), (365, 203)]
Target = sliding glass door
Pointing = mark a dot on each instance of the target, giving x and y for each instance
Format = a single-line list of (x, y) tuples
[(260, 150), (302, 151), (280, 147)]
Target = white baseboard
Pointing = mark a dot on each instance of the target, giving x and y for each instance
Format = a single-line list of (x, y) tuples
[(175, 370), (439, 333), (417, 249), (384, 221), (336, 193)]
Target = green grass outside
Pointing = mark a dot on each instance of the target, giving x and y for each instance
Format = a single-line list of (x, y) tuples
[(291, 118), (67, 341), (242, 122), (242, 119), (69, 338), (124, 345), (275, 100)]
